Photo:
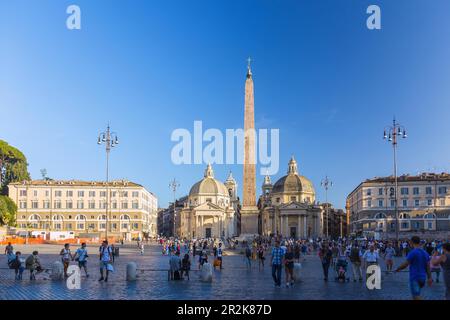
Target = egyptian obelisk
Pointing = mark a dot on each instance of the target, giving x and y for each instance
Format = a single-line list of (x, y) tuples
[(249, 211)]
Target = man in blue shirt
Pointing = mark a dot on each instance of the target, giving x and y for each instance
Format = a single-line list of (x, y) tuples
[(418, 261), (277, 261)]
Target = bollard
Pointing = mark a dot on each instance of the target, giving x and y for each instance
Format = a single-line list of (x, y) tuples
[(206, 272), (297, 269), (57, 271), (131, 271)]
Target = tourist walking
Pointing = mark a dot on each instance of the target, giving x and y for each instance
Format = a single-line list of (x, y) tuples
[(9, 249), (325, 256), (248, 257), (17, 265), (185, 266), (33, 264), (289, 266), (81, 256), (434, 265), (418, 261), (175, 266), (261, 257), (389, 254), (276, 261), (219, 253), (106, 259), (444, 261), (355, 260), (66, 257)]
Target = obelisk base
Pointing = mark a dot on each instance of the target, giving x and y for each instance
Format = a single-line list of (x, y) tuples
[(249, 221)]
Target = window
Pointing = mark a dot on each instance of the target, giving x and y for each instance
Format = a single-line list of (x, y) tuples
[(23, 193), (442, 190), (125, 194), (404, 225), (113, 193), (369, 203), (35, 193), (430, 202), (428, 190), (69, 205), (380, 203), (47, 193), (91, 193), (430, 225), (114, 205), (102, 226), (404, 191), (416, 190), (103, 194), (405, 202), (80, 204), (369, 192), (92, 204), (69, 226), (442, 202), (135, 205), (392, 203), (124, 205), (58, 193), (80, 194), (380, 191), (114, 225), (102, 204), (80, 225), (416, 202), (135, 194), (69, 193), (46, 204), (57, 204), (34, 204)]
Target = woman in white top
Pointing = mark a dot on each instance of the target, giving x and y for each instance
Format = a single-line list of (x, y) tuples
[(66, 257)]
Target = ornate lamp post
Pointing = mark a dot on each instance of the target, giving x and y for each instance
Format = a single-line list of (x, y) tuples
[(174, 185), (326, 184), (110, 140), (391, 134)]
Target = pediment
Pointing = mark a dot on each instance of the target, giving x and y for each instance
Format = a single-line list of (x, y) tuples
[(294, 206), (208, 206)]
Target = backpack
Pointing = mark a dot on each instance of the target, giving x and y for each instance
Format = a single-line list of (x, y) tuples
[(13, 264)]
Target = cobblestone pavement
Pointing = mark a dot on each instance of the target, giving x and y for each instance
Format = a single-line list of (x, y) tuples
[(233, 282)]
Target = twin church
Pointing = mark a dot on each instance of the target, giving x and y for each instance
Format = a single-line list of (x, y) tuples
[(286, 208)]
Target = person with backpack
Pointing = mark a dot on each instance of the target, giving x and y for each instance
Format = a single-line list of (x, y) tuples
[(106, 259), (33, 264), (66, 257), (355, 260), (418, 261), (81, 256), (16, 264)]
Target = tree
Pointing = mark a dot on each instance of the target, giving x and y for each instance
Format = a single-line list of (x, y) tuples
[(8, 211), (13, 166)]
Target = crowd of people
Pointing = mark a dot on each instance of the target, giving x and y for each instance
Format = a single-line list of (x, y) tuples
[(423, 258)]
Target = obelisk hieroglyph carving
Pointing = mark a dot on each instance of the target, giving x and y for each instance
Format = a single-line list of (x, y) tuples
[(249, 211)]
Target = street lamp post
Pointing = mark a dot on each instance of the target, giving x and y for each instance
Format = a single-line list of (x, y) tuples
[(326, 183), (110, 140), (174, 185), (391, 134)]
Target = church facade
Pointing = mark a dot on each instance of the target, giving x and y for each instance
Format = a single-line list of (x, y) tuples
[(289, 207), (210, 210)]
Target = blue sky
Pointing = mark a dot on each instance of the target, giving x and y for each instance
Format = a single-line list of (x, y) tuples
[(148, 67)]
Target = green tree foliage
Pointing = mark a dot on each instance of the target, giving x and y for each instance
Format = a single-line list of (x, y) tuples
[(13, 166), (8, 211)]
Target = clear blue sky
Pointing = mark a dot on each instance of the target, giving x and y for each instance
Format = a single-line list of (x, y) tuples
[(328, 83)]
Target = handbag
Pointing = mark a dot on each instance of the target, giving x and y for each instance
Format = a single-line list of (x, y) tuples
[(110, 267)]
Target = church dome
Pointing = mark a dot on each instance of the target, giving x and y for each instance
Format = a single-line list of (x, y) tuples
[(208, 185), (293, 182)]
